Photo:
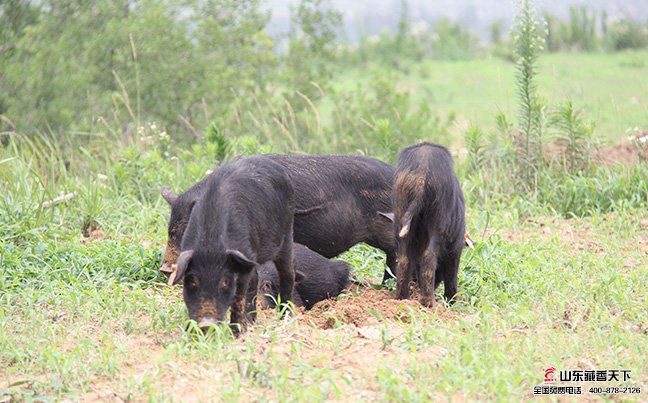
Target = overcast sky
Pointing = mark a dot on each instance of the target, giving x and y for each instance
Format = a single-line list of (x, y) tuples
[(371, 16)]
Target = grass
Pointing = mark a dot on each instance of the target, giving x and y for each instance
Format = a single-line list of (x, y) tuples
[(558, 276), (532, 299), (609, 87), (91, 318)]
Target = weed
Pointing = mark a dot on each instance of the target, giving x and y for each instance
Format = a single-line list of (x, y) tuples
[(528, 44), (578, 136)]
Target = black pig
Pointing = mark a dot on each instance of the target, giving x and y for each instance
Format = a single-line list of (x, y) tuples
[(317, 279), (338, 199), (244, 218), (268, 285), (429, 216)]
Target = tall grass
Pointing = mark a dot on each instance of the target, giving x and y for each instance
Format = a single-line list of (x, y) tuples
[(532, 115)]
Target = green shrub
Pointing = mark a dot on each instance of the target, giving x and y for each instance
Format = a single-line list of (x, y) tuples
[(577, 135), (627, 34), (606, 190), (451, 41)]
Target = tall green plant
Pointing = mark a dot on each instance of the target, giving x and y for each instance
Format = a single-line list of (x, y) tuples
[(474, 139), (577, 134), (529, 42)]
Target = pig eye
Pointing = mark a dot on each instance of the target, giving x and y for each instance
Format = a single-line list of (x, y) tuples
[(191, 281), (225, 282)]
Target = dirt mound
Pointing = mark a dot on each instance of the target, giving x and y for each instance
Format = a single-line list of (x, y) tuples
[(624, 153), (362, 305), (627, 153)]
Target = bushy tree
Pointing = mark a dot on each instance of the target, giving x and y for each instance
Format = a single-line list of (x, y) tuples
[(15, 17), (311, 49), (176, 62), (451, 41)]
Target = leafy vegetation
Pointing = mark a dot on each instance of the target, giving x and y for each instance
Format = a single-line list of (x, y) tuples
[(101, 105), (581, 32), (528, 44)]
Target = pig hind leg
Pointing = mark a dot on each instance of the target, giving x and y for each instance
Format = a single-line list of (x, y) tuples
[(427, 267), (405, 267), (285, 263), (448, 271)]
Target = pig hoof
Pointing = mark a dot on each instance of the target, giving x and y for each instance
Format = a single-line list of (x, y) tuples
[(403, 294)]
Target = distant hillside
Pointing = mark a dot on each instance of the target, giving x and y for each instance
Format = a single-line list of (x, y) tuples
[(371, 17)]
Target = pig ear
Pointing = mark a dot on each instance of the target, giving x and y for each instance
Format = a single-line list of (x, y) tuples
[(389, 216), (299, 276), (239, 261), (180, 267), (169, 195)]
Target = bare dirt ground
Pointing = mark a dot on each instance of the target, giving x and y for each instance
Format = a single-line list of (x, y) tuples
[(627, 152), (624, 153)]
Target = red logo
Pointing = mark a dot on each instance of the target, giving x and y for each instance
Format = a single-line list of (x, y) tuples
[(549, 374)]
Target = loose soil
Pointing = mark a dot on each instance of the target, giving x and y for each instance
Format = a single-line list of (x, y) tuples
[(362, 306), (627, 153), (624, 153)]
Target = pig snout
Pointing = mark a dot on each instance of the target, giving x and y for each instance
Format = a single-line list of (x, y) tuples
[(266, 302), (207, 322)]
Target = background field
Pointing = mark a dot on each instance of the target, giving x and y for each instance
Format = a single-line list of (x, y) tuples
[(610, 88), (558, 276)]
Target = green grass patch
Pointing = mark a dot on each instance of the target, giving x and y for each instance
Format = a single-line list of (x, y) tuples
[(91, 318), (608, 86)]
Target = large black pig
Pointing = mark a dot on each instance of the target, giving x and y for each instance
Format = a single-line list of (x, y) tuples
[(429, 220), (337, 198), (243, 219), (317, 279)]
